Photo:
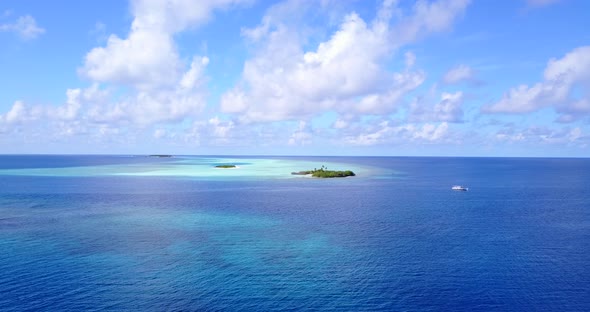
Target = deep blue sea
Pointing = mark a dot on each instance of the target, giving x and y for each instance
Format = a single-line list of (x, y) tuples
[(112, 233)]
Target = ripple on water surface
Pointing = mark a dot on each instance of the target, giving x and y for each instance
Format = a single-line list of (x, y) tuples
[(178, 234)]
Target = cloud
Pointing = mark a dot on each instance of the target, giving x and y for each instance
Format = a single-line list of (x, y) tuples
[(139, 83), (429, 17), (535, 135), (302, 135), (19, 112), (148, 57), (385, 133), (145, 107), (217, 131), (448, 109), (25, 26), (345, 120), (460, 74), (71, 110), (144, 60), (345, 73), (162, 89), (220, 129), (564, 87)]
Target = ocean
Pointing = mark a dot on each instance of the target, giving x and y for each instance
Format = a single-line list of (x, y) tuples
[(136, 233)]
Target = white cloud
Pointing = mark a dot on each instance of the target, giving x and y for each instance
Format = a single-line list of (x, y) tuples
[(378, 136), (144, 60), (447, 109), (76, 101), (19, 112), (163, 90), (302, 135), (221, 129), (573, 67), (344, 73), (193, 78), (148, 57), (429, 17), (145, 108), (557, 90), (386, 101), (173, 16), (217, 131), (25, 26), (385, 133), (345, 120), (70, 110), (137, 81), (535, 135), (431, 132), (460, 73), (185, 99)]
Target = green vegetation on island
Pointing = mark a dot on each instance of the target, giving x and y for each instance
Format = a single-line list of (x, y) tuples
[(225, 166), (160, 155), (323, 172)]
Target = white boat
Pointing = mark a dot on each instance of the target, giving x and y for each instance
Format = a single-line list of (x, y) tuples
[(459, 188)]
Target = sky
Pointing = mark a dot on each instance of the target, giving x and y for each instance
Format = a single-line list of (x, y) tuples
[(302, 77)]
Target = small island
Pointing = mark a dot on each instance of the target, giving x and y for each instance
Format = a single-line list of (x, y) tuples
[(160, 155), (323, 172), (225, 166)]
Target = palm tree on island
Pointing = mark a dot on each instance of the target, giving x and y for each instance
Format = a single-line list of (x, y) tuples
[(323, 172)]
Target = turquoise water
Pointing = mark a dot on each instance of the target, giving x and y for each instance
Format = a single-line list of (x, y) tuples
[(191, 167), (135, 233)]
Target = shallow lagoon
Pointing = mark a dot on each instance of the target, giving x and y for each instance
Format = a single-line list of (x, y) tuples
[(197, 168)]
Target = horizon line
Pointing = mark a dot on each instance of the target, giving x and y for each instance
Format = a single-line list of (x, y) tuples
[(283, 155)]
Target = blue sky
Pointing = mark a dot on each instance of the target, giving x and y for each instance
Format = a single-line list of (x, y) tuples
[(326, 77)]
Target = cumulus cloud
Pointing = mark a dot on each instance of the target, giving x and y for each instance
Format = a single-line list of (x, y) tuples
[(19, 112), (447, 109), (187, 98), (148, 57), (144, 107), (70, 111), (25, 26), (162, 89), (564, 87), (343, 73), (386, 133), (137, 82), (145, 59)]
